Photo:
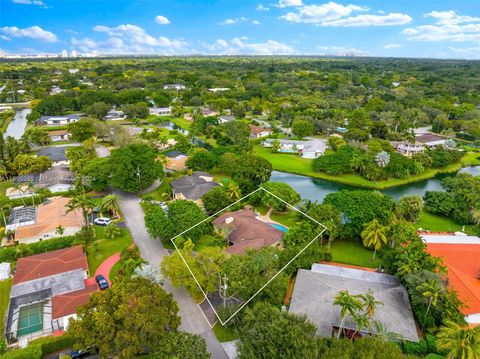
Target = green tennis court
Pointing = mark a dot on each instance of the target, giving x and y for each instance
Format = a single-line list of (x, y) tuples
[(30, 319)]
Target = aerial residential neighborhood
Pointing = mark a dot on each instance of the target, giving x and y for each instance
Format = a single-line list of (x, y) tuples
[(239, 180)]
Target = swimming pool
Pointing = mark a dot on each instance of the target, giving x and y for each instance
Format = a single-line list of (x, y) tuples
[(279, 226)]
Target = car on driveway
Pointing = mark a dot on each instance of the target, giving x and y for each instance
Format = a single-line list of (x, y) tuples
[(102, 282), (102, 221)]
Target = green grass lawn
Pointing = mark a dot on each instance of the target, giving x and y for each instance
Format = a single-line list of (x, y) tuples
[(438, 223), (114, 271), (5, 286), (292, 163), (208, 241), (180, 121), (352, 252), (102, 248), (288, 219), (224, 334), (471, 159), (3, 188), (158, 193)]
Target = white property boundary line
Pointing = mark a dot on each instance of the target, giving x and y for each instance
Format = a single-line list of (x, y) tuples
[(271, 279)]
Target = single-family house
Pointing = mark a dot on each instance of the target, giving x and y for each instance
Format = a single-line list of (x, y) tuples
[(47, 289), (56, 154), (57, 120), (460, 253), (246, 231), (160, 111), (219, 89), (60, 135), (207, 112), (114, 115), (259, 132), (315, 290), (5, 108), (225, 118), (32, 224), (312, 148), (175, 161), (178, 87), (430, 140), (56, 179), (193, 187)]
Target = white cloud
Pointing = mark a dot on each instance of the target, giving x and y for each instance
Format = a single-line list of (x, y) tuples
[(6, 38), (128, 39), (32, 32), (30, 2), (234, 21), (289, 3), (261, 7), (317, 14), (447, 26), (392, 46), (338, 15), (370, 20), (240, 46), (238, 20), (162, 20), (469, 52), (341, 51)]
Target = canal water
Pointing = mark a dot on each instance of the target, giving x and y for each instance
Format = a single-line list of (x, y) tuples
[(316, 189), (16, 128)]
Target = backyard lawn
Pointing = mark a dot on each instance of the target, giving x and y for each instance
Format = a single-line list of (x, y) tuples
[(5, 286), (102, 247), (181, 122), (292, 163), (352, 252), (436, 223)]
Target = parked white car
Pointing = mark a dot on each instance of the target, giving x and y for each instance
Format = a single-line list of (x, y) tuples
[(102, 221)]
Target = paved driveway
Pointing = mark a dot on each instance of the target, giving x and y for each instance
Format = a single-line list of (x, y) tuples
[(193, 320)]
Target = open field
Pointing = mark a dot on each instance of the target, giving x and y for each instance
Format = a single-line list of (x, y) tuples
[(436, 223)]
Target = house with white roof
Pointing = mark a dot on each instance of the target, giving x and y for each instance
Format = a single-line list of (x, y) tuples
[(312, 148), (160, 111)]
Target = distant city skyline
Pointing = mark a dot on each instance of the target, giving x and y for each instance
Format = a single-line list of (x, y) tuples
[(397, 28)]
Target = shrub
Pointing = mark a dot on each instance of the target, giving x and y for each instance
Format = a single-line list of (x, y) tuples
[(10, 254), (30, 352)]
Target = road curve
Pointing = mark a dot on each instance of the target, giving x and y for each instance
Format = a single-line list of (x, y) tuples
[(152, 250)]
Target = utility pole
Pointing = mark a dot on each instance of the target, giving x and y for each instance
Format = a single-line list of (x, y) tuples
[(223, 288), (139, 179)]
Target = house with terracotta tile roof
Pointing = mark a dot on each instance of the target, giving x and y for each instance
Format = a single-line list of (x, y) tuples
[(175, 161), (461, 256), (47, 289), (247, 231), (259, 132), (59, 135), (47, 217)]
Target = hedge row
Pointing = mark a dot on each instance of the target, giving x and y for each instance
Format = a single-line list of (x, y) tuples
[(37, 349), (11, 254)]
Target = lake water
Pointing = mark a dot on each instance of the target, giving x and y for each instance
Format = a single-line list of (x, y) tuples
[(316, 189), (16, 128)]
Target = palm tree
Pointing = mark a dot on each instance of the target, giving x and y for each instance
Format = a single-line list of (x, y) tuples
[(111, 203), (82, 202), (31, 188), (20, 187), (361, 321), (382, 333), (459, 341), (374, 235), (112, 231), (60, 230), (432, 289), (370, 304), (349, 305), (232, 190)]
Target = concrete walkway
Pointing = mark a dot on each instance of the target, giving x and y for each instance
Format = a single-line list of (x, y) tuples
[(105, 268)]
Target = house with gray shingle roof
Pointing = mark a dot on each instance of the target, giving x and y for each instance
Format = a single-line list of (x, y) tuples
[(315, 292), (193, 187)]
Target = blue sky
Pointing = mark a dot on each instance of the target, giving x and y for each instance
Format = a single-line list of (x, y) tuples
[(407, 28)]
